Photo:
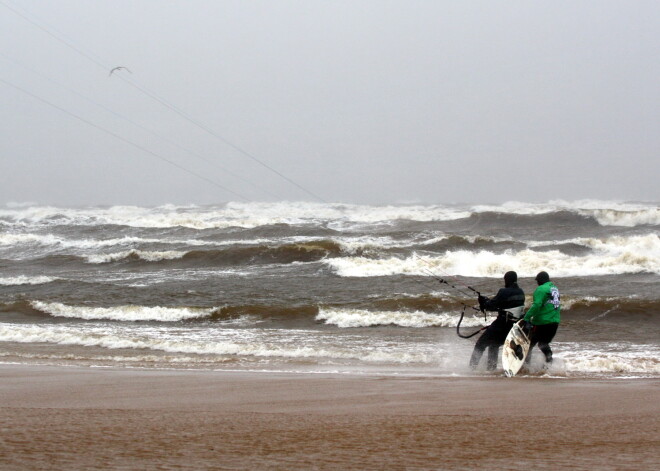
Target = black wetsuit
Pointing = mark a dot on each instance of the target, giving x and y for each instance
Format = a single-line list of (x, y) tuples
[(494, 336)]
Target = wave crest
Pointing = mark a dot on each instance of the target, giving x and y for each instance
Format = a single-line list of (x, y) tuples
[(26, 280), (262, 254), (346, 318), (252, 215), (121, 313), (614, 255)]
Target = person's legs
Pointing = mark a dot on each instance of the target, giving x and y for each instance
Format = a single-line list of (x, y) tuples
[(547, 351), (479, 348), (545, 335), (542, 335), (492, 339), (493, 350)]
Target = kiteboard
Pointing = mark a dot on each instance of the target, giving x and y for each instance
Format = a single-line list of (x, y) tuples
[(515, 349)]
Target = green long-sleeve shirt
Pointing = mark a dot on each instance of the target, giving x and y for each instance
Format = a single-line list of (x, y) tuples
[(545, 307)]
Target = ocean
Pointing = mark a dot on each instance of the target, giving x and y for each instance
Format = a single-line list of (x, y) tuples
[(323, 288)]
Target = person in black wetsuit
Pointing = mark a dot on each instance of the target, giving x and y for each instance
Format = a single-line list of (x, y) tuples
[(509, 297)]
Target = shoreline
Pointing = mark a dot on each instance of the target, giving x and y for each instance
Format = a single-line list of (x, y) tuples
[(105, 418)]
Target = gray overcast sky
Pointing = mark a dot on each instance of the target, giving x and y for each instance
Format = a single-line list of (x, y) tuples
[(356, 101)]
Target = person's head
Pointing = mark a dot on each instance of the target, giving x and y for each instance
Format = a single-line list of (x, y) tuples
[(510, 278), (542, 277)]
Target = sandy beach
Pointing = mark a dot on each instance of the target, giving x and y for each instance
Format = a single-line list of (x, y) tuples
[(86, 418)]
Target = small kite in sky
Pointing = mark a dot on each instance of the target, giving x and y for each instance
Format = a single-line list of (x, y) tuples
[(119, 68)]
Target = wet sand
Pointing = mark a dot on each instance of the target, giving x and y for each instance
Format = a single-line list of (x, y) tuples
[(84, 418)]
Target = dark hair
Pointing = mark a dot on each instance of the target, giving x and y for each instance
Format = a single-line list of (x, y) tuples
[(542, 277)]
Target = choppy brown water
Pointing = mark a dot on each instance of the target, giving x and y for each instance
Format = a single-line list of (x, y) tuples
[(291, 286)]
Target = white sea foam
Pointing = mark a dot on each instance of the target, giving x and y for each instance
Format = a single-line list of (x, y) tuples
[(114, 359), (26, 280), (340, 216), (348, 244), (641, 244), (613, 255), (607, 213), (245, 215), (122, 313), (242, 344), (353, 245), (8, 239), (573, 358), (362, 318), (647, 243), (613, 358), (61, 242)]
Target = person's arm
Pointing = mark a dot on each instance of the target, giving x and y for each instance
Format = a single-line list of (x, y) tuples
[(537, 301), (495, 302)]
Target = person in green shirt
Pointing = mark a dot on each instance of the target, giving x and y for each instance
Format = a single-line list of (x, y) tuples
[(543, 315)]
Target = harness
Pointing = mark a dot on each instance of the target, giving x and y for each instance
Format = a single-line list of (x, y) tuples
[(514, 313)]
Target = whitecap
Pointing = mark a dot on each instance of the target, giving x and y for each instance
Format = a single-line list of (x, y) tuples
[(122, 313), (26, 280), (147, 256), (345, 318)]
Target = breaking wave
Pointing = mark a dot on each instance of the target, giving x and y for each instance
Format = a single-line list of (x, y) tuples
[(572, 358), (346, 318), (613, 255), (606, 213), (243, 215), (121, 313), (234, 346), (432, 310), (136, 255), (305, 285), (26, 280), (633, 359), (50, 240), (245, 314), (288, 253), (341, 216)]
